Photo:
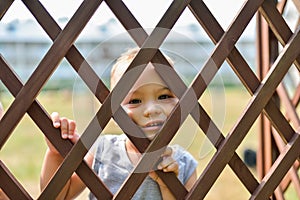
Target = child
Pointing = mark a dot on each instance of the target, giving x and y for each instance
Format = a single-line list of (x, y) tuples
[(148, 104)]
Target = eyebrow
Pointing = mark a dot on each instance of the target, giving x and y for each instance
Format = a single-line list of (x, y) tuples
[(158, 90)]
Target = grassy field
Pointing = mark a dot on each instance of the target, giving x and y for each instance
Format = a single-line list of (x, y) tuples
[(23, 152)]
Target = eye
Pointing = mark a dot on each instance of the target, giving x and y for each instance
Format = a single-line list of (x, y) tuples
[(134, 101), (165, 96)]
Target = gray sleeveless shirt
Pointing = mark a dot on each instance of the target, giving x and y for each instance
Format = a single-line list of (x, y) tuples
[(113, 166)]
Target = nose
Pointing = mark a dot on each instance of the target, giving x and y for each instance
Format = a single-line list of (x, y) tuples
[(152, 109)]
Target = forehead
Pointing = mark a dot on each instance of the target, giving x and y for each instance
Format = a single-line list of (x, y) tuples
[(148, 76)]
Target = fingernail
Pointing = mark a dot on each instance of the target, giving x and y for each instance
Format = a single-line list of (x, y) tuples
[(65, 136), (56, 124)]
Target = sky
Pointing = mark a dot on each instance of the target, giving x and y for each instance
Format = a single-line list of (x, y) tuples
[(148, 12)]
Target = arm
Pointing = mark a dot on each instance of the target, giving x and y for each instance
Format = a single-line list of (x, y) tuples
[(53, 160)]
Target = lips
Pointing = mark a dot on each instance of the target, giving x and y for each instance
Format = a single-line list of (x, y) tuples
[(154, 124)]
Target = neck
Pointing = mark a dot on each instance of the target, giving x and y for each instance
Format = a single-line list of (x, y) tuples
[(130, 147), (132, 152)]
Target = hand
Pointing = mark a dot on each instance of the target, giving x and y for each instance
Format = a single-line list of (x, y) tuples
[(168, 164), (3, 195), (67, 126), (67, 129)]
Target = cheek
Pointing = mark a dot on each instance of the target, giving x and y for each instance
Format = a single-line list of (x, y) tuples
[(127, 110), (169, 108), (130, 112)]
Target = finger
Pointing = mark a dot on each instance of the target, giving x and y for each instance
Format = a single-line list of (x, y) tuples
[(173, 167), (165, 162), (169, 165), (167, 152), (64, 128), (71, 128), (75, 138), (55, 119), (153, 175)]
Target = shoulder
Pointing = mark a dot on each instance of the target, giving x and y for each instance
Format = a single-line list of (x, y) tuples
[(108, 146), (180, 153), (111, 139), (106, 142), (183, 157)]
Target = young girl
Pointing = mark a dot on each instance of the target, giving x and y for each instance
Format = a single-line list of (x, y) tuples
[(148, 104)]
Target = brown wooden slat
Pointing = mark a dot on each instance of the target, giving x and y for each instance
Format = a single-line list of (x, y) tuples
[(70, 35), (279, 194), (279, 169), (168, 128), (41, 116), (289, 107), (257, 103), (84, 70), (81, 66), (224, 48), (215, 32), (88, 137), (126, 18), (176, 85), (277, 24), (4, 6), (185, 100), (42, 120), (139, 35), (10, 185), (291, 178), (267, 52), (71, 163), (292, 175), (46, 67), (87, 176), (104, 114), (77, 61), (241, 68), (151, 154), (169, 179)]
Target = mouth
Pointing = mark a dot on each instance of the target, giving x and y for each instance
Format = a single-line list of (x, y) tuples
[(153, 126)]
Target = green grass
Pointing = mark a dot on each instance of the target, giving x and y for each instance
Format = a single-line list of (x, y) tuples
[(23, 153)]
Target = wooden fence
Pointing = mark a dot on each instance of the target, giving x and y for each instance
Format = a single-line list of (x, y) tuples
[(267, 89)]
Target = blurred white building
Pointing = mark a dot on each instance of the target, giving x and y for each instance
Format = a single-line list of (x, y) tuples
[(24, 43)]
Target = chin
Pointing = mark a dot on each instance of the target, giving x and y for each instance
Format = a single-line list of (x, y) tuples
[(150, 136), (151, 133)]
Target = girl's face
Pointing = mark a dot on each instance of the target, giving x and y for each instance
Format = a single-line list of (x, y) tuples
[(149, 102)]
